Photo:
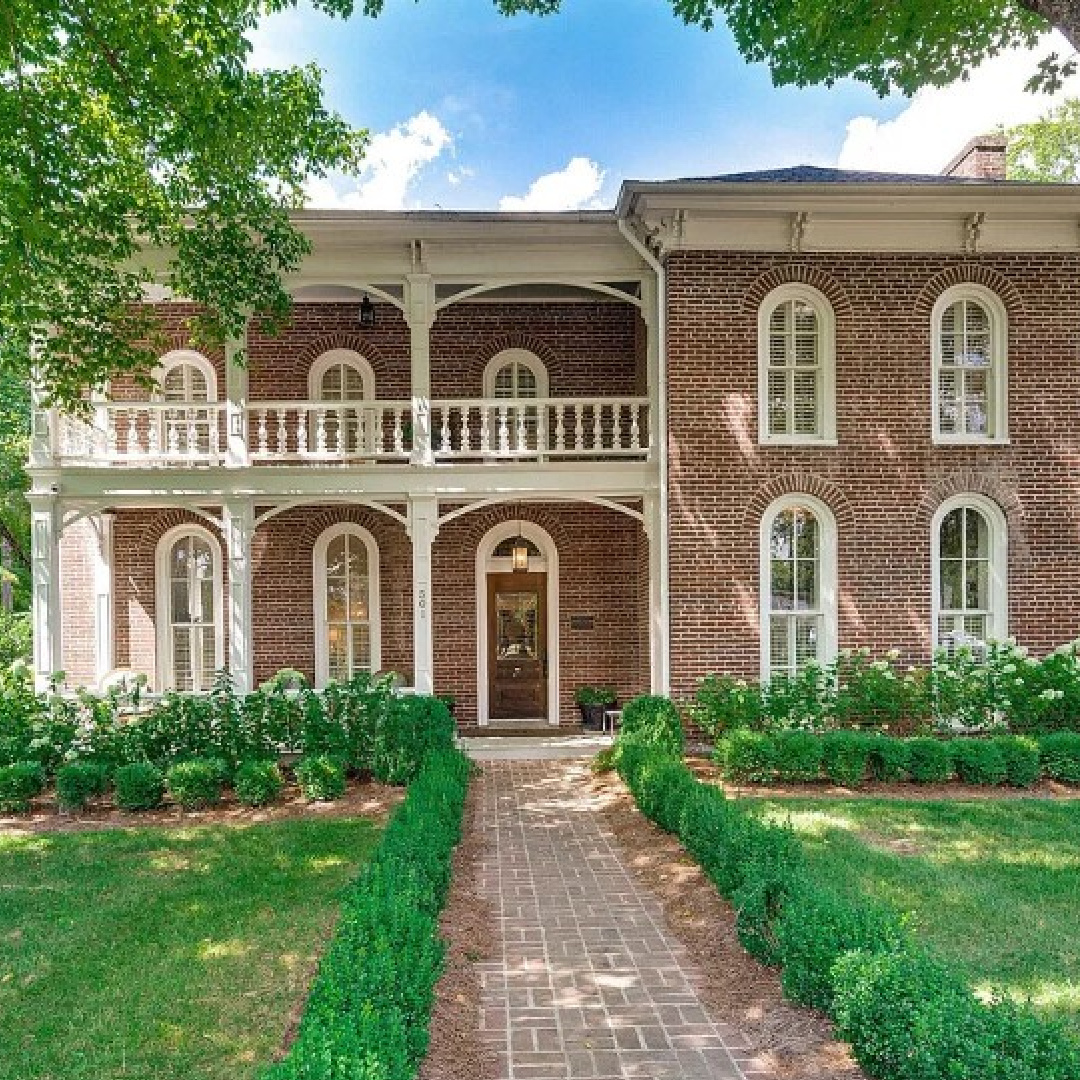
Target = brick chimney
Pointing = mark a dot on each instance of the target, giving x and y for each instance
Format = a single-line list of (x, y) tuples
[(982, 159)]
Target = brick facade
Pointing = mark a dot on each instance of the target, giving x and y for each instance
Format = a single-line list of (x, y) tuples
[(885, 478)]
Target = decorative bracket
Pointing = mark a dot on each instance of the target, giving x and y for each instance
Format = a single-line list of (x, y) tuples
[(800, 221), (973, 232)]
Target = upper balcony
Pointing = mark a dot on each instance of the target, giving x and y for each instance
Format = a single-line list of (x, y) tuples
[(192, 433)]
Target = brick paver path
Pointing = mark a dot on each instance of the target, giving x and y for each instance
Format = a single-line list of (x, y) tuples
[(586, 982)]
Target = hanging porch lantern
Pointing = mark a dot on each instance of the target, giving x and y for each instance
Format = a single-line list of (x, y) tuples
[(367, 311), (519, 551)]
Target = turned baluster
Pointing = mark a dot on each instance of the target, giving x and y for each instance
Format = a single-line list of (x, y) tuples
[(485, 430), (153, 435), (111, 437), (320, 431), (132, 434), (264, 442), (444, 431), (282, 434), (579, 427), (635, 427), (504, 432), (560, 428), (465, 436), (399, 443), (301, 430)]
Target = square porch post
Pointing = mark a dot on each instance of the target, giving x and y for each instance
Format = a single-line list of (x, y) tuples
[(104, 617), (238, 525), (237, 452), (420, 314), (423, 528), (45, 527), (659, 643)]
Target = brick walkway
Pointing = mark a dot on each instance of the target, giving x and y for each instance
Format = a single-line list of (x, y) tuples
[(589, 983)]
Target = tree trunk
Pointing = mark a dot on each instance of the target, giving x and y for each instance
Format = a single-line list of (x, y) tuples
[(1063, 15)]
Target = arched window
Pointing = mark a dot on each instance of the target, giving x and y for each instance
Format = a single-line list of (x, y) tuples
[(970, 552), (188, 379), (796, 367), (970, 378), (516, 375), (798, 585), (189, 609), (340, 376), (347, 631)]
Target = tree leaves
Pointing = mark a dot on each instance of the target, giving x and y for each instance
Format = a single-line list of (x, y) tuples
[(1047, 149)]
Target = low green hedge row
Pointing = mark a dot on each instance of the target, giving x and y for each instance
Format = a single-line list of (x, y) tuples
[(850, 757), (367, 1015), (906, 1014)]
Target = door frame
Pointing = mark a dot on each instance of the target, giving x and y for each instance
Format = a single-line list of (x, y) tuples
[(486, 564)]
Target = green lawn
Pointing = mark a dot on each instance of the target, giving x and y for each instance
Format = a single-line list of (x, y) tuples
[(992, 885), (168, 954)]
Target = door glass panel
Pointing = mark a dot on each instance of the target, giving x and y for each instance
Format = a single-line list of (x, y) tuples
[(517, 626)]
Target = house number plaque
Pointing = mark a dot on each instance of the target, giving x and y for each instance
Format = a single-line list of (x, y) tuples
[(581, 622)]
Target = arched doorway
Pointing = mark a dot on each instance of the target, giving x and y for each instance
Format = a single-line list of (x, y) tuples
[(517, 627)]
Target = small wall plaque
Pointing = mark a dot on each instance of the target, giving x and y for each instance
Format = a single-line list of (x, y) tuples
[(581, 622)]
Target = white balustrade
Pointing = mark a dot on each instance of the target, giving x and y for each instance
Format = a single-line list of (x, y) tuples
[(465, 429)]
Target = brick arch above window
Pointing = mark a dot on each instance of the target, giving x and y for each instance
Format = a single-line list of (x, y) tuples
[(162, 521), (480, 522), (491, 348), (799, 483), (969, 274), (798, 274), (353, 342), (319, 517), (973, 482)]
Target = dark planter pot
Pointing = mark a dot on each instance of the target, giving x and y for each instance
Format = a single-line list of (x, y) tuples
[(592, 716)]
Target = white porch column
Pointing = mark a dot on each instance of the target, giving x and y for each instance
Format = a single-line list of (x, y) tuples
[(45, 529), (420, 314), (236, 403), (423, 528), (104, 617), (239, 527), (659, 643)]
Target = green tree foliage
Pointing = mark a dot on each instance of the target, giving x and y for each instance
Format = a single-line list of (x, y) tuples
[(895, 45), (1048, 149), (14, 509), (136, 145)]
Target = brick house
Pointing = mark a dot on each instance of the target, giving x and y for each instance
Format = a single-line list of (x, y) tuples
[(738, 422)]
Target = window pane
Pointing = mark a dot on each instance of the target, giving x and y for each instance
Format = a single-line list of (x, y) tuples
[(206, 602), (948, 402), (337, 599), (181, 608), (778, 411), (952, 534), (806, 585), (804, 404), (977, 585), (338, 652), (331, 383), (952, 595), (353, 382), (526, 382), (976, 534), (806, 534), (783, 585), (807, 639), (504, 382), (361, 648), (779, 645), (783, 528)]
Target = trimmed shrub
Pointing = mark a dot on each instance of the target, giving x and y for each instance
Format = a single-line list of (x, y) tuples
[(816, 927), (797, 755), (929, 761), (197, 783), (909, 1016), (1060, 756), (770, 867), (746, 756), (368, 1010), (662, 790), (654, 721), (1022, 766), (888, 758), (845, 757), (19, 783), (80, 781), (978, 761), (321, 777), (413, 726), (139, 786), (258, 783), (710, 828)]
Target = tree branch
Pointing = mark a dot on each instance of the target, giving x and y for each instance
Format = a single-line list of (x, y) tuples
[(1063, 15)]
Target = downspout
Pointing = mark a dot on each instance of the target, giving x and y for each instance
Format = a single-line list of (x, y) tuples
[(661, 437)]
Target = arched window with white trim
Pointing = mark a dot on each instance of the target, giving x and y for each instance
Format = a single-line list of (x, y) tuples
[(970, 361), (970, 553), (337, 377), (516, 376), (798, 585), (189, 609), (796, 367), (347, 617), (187, 378)]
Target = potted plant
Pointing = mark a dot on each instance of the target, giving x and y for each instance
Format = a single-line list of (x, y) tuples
[(592, 701)]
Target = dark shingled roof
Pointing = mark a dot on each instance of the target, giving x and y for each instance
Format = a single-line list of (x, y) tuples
[(812, 174)]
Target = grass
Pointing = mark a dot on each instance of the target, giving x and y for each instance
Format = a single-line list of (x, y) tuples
[(995, 886), (164, 954)]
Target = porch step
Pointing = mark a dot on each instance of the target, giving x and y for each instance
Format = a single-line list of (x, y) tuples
[(533, 747)]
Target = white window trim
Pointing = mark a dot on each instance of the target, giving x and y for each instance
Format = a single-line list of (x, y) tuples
[(187, 356), (340, 356), (827, 324), (999, 562), (322, 545), (522, 356), (999, 368), (487, 563), (827, 569), (166, 679)]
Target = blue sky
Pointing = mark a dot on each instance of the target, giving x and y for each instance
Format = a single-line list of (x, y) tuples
[(470, 109)]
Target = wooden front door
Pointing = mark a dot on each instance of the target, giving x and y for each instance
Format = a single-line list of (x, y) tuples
[(517, 646)]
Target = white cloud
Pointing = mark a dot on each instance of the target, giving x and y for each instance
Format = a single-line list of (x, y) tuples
[(392, 162), (940, 120), (572, 188), (455, 176)]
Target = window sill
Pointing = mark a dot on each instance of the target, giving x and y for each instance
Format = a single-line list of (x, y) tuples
[(940, 441), (797, 442)]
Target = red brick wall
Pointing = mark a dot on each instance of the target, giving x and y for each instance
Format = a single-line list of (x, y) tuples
[(283, 597), (885, 478), (598, 553), (77, 546)]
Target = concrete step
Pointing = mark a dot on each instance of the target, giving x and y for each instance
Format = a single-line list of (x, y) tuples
[(533, 747)]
